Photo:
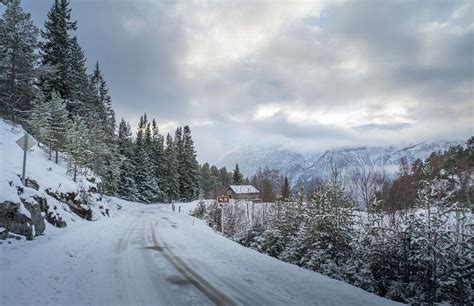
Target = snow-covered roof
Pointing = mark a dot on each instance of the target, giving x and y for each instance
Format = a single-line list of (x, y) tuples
[(241, 189)]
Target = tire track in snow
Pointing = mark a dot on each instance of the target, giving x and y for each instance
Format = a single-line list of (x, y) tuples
[(200, 283), (123, 242)]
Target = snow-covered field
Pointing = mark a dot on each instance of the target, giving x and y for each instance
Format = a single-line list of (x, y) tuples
[(149, 255)]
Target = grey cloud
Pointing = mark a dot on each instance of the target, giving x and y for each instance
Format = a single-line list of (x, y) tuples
[(383, 127), (307, 64)]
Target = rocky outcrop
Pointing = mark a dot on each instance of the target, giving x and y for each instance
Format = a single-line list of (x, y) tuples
[(37, 219), (71, 199), (14, 221)]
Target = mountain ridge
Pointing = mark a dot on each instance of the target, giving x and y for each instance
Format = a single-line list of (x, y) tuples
[(294, 164)]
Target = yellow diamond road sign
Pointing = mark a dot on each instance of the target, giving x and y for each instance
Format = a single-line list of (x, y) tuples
[(26, 142)]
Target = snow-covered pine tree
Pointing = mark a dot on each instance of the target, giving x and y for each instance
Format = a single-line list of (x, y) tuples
[(285, 189), (144, 176), (157, 157), (97, 142), (77, 145), (342, 211), (55, 50), (18, 41), (103, 100), (205, 180), (237, 177), (376, 256), (40, 118), (110, 169), (144, 170), (126, 185), (105, 146), (323, 242), (170, 171), (80, 91), (431, 243), (457, 286), (58, 124), (178, 145), (190, 180)]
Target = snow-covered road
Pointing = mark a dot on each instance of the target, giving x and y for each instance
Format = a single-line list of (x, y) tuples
[(149, 255)]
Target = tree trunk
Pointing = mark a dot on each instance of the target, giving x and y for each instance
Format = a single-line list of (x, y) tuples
[(12, 93), (56, 157), (75, 172)]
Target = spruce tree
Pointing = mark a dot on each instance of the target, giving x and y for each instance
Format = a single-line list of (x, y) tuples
[(157, 157), (144, 170), (55, 50), (18, 41), (205, 180), (285, 189), (77, 145), (190, 178), (103, 101), (144, 176), (178, 146), (126, 184), (58, 124), (170, 171), (80, 91), (237, 177), (97, 142), (40, 118)]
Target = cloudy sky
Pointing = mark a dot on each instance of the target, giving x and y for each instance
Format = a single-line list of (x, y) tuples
[(308, 74)]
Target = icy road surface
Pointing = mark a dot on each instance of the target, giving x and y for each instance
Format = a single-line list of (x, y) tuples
[(149, 255)]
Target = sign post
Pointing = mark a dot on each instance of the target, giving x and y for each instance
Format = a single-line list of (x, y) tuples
[(221, 200), (25, 143), (222, 217)]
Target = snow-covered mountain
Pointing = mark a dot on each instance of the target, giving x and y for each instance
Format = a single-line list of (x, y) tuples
[(294, 164)]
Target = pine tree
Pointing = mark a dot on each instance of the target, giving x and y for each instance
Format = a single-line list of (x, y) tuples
[(171, 175), (40, 118), (77, 144), (126, 183), (205, 182), (58, 124), (430, 242), (179, 151), (97, 143), (18, 41), (103, 101), (157, 157), (144, 171), (80, 91), (285, 189), (225, 177), (144, 176), (55, 50), (237, 177), (190, 175), (110, 170)]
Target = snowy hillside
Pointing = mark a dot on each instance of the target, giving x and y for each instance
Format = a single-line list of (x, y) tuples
[(294, 164), (50, 199)]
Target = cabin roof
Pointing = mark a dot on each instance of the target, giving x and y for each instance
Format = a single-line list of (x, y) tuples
[(243, 189)]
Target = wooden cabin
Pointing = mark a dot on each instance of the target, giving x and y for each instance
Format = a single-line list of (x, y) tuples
[(243, 192)]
